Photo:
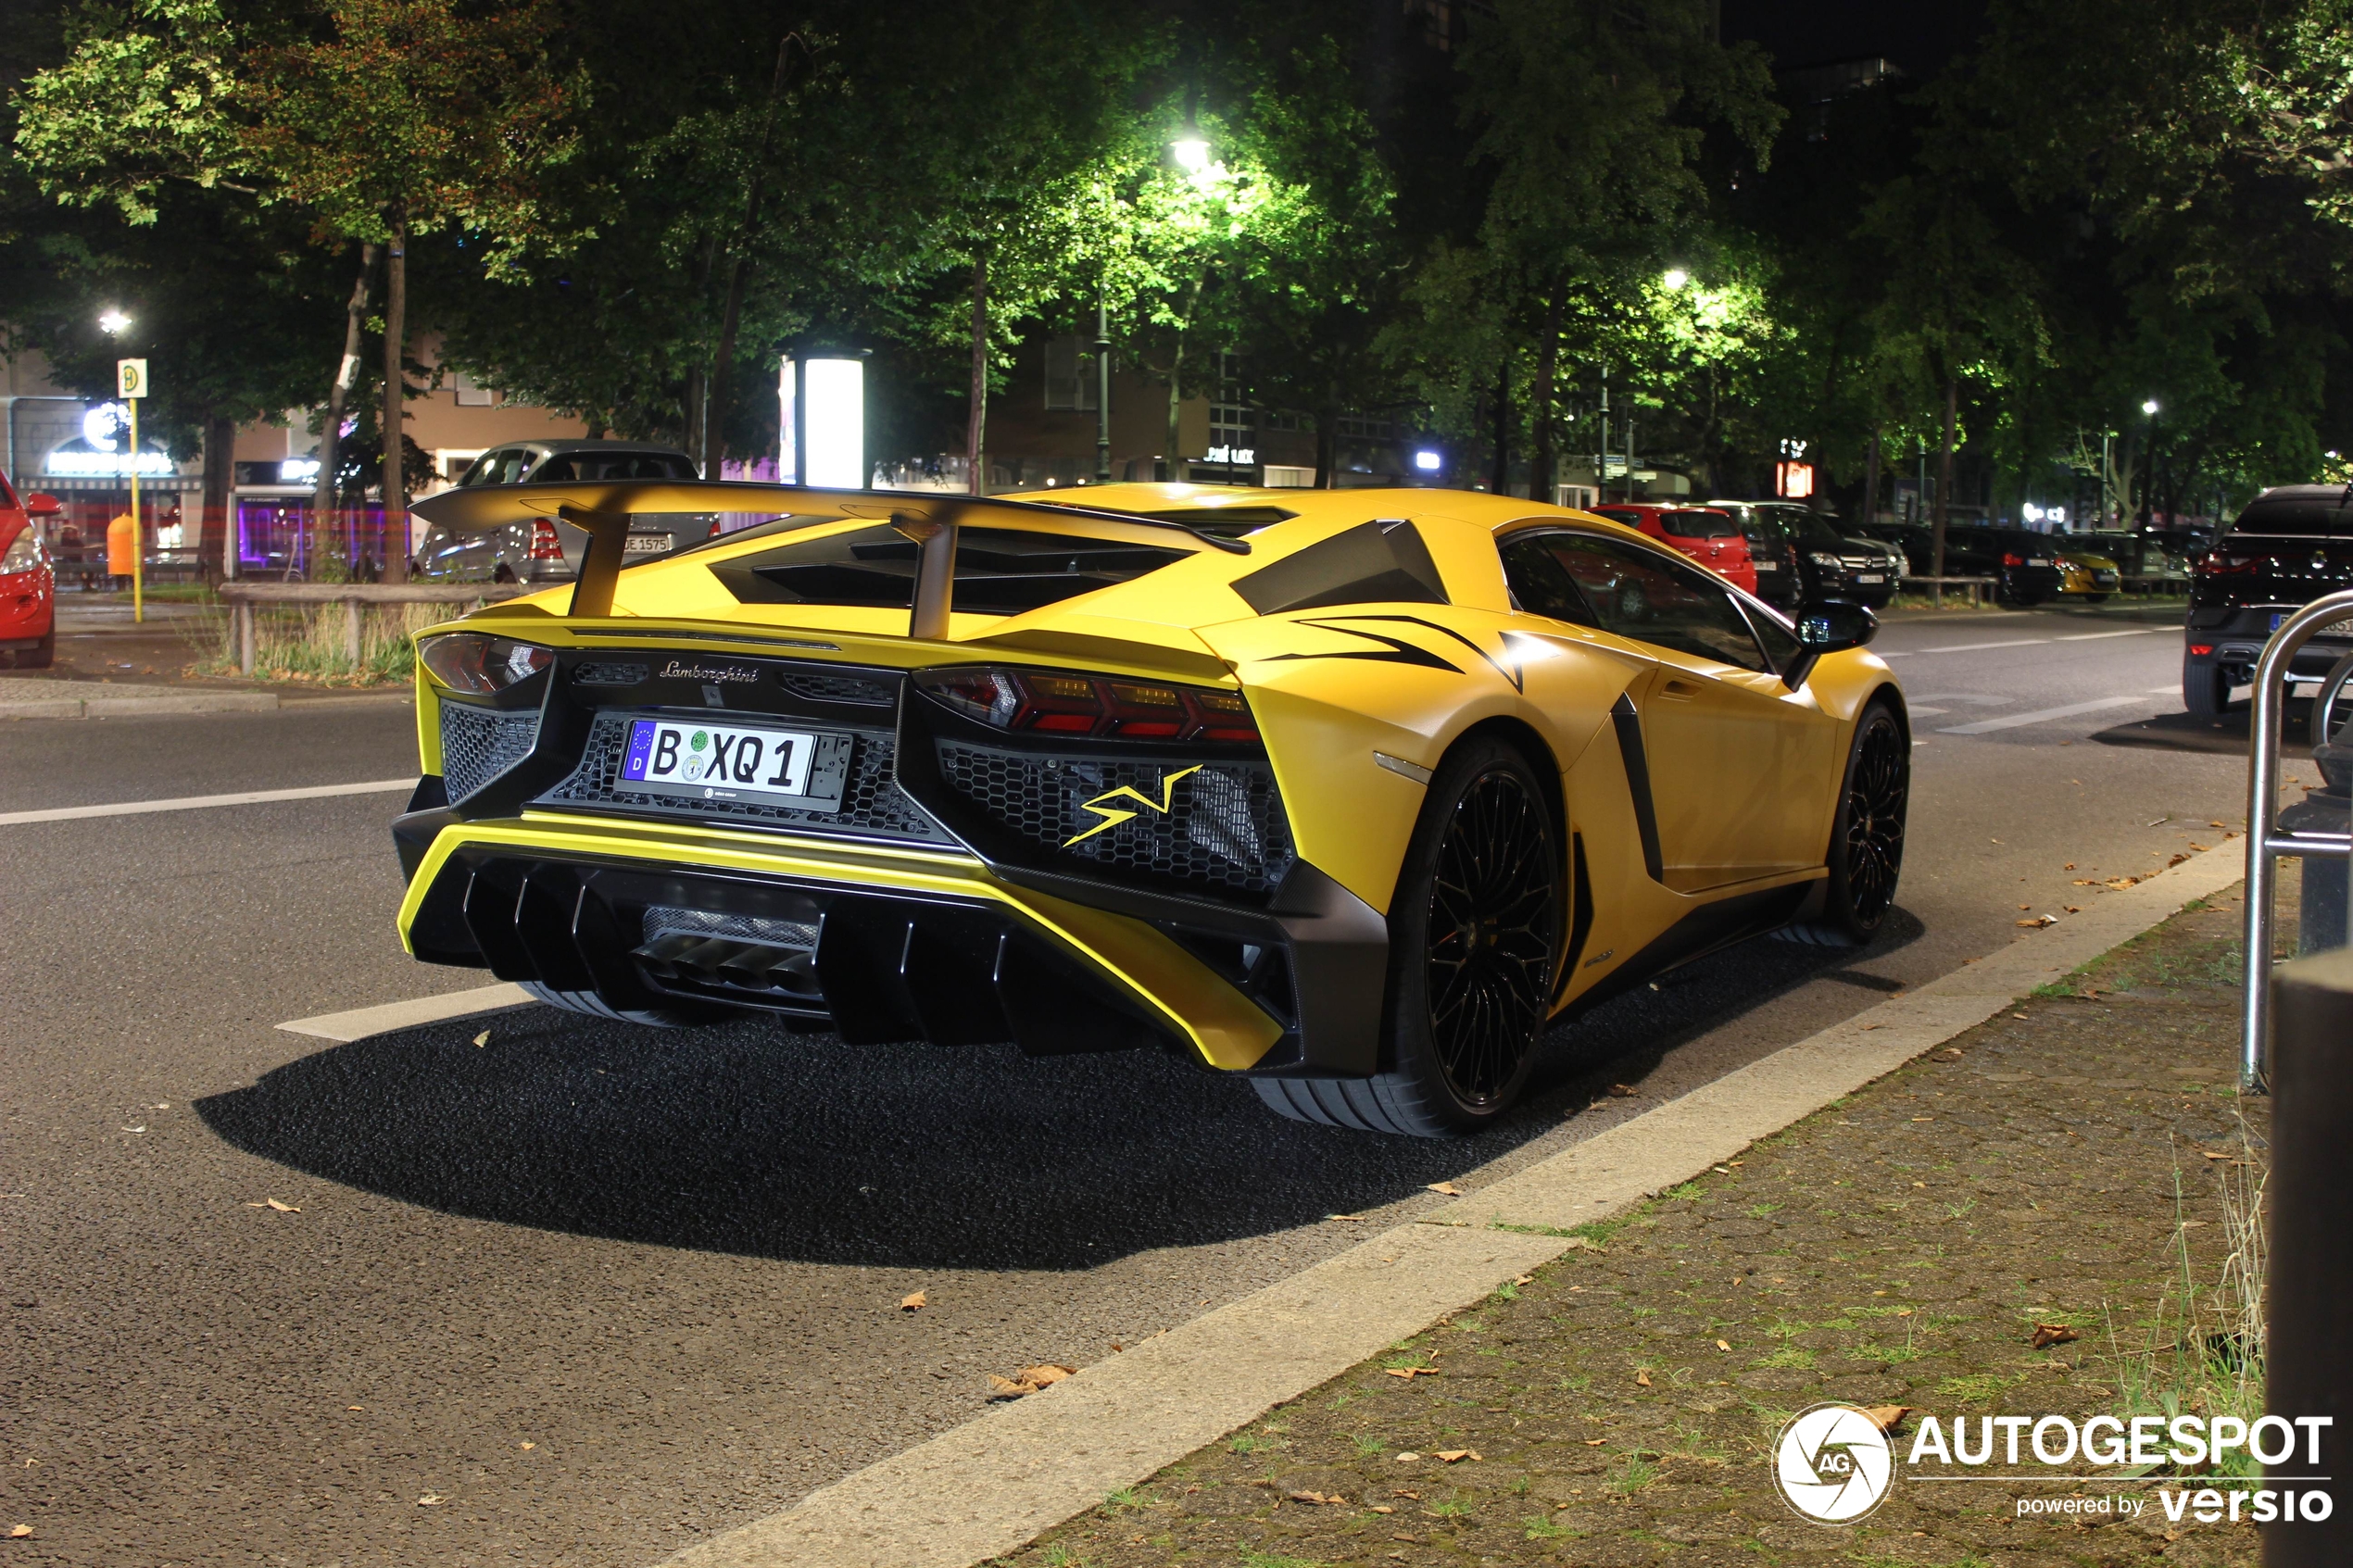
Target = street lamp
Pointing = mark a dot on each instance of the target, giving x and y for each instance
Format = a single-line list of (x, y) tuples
[(113, 322), (1191, 149), (1675, 278), (2149, 407)]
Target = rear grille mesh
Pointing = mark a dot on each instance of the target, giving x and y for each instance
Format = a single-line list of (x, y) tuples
[(872, 803), (1224, 830), (479, 744)]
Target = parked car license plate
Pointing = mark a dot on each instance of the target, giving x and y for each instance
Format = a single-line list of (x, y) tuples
[(645, 543), (1870, 577), (1768, 566), (2278, 616), (695, 760)]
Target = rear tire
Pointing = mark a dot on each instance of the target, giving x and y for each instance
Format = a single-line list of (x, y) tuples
[(2206, 688), (591, 1005), (1867, 837), (1473, 937)]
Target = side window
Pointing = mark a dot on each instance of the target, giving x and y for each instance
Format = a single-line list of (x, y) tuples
[(1643, 596), (1539, 583), (1780, 643), (557, 470)]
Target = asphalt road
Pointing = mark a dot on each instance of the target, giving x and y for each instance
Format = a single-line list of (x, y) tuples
[(580, 1295)]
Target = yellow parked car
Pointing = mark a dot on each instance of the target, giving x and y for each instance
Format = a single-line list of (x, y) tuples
[(1352, 792), (2085, 576)]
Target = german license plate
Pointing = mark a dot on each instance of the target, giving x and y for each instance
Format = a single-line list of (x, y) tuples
[(1870, 577), (1768, 566), (645, 543), (2278, 616), (695, 760)]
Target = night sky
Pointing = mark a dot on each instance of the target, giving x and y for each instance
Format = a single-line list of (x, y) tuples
[(1918, 36)]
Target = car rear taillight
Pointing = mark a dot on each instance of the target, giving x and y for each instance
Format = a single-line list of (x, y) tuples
[(2216, 562), (1101, 706), (2199, 651), (544, 544), (2008, 560)]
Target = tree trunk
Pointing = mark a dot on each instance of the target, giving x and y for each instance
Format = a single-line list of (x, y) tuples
[(1540, 438), (219, 481), (713, 434), (1945, 478), (1870, 481), (1176, 442), (977, 428), (323, 503), (1327, 446), (395, 529), (1501, 482)]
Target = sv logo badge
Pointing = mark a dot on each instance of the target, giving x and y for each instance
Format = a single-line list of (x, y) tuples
[(1114, 815)]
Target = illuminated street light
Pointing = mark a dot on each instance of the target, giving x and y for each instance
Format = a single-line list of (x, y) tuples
[(114, 323), (1676, 278), (2149, 407), (1426, 461), (1191, 150)]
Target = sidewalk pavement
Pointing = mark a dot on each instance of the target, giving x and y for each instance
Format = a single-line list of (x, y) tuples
[(1901, 1247)]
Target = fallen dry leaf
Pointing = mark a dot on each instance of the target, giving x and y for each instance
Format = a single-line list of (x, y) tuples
[(1407, 1459), (1623, 1091), (1950, 1053), (2018, 1015), (1410, 1373), (2048, 1334), (1907, 1311), (912, 1302), (281, 1208), (1595, 1442), (2068, 867), (1888, 1417), (1379, 1508), (1721, 1346), (527, 1447), (1451, 1455), (358, 1410), (431, 1499), (2218, 825), (1315, 1496), (1347, 1219), (1029, 1380), (2026, 905), (19, 1532), (2178, 858), (1524, 1279), (2071, 908), (2039, 921), (483, 1038), (1449, 1188), (1643, 1378)]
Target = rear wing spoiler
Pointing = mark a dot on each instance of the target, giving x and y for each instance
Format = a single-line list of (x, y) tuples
[(603, 509)]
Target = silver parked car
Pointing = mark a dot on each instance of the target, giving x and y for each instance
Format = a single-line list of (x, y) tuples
[(543, 550)]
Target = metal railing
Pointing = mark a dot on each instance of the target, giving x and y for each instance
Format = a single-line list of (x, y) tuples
[(2265, 844)]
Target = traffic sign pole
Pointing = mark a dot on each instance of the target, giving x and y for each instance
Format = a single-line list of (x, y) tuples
[(130, 382)]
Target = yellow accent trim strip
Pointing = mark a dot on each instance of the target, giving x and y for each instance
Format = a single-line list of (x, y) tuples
[(1224, 1027), (1112, 816)]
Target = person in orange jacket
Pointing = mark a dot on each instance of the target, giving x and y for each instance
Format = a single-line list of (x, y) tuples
[(122, 546)]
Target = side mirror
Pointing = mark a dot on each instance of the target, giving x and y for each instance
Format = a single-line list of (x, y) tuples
[(1834, 626), (40, 503), (1831, 626)]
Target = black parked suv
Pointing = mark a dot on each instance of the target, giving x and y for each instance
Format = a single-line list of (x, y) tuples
[(1803, 560), (2293, 543)]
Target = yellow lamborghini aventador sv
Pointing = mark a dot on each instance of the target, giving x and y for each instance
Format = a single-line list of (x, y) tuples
[(1350, 792)]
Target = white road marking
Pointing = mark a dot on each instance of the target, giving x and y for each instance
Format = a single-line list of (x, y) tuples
[(1967, 647), (1917, 710), (360, 1023), (201, 802), (2135, 632), (2012, 720), (1981, 699)]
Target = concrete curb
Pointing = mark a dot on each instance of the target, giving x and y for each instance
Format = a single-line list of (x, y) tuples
[(997, 1482), (109, 702)]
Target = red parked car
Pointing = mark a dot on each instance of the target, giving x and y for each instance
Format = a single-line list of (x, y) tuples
[(1710, 537), (28, 582)]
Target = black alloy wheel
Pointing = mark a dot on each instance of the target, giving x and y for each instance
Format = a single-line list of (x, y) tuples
[(1474, 940), (1879, 787), (1490, 937)]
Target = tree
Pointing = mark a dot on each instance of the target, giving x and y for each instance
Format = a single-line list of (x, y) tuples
[(375, 119)]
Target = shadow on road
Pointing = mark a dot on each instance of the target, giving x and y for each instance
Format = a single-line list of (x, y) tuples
[(2225, 735), (744, 1139)]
